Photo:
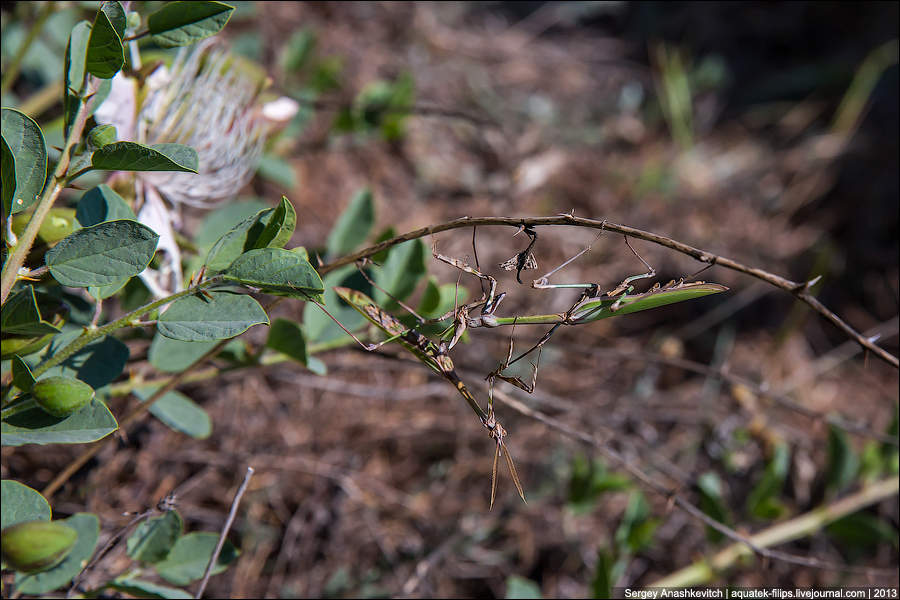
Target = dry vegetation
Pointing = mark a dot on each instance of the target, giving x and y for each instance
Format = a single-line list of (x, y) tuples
[(375, 480)]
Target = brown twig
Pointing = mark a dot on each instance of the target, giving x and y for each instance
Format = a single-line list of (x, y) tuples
[(228, 522), (800, 290)]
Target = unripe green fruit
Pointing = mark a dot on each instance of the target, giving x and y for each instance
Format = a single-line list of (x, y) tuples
[(102, 135), (61, 396), (59, 223), (23, 345), (36, 545)]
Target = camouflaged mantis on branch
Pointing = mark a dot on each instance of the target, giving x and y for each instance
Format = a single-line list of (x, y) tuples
[(436, 358)]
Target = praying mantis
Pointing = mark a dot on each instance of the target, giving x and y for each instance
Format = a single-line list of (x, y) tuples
[(439, 361), (592, 305)]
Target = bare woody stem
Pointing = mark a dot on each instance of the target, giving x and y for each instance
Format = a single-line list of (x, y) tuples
[(799, 290), (705, 570), (51, 191)]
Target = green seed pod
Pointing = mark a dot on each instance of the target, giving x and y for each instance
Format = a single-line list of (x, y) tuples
[(61, 396), (22, 345), (59, 223), (36, 545), (102, 135)]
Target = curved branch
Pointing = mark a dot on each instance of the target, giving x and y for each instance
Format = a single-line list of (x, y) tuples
[(799, 290)]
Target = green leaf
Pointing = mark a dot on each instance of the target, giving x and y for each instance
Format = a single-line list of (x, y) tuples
[(21, 315), (280, 228), (102, 254), (218, 222), (636, 530), (97, 364), (712, 503), (762, 501), (21, 374), (146, 589), (239, 239), (276, 270), (606, 573), (105, 53), (180, 413), (101, 204), (519, 587), (353, 226), (116, 15), (88, 528), (153, 539), (19, 504), (389, 233), (34, 426), (317, 325), (187, 561), (131, 156), (26, 144), (174, 356), (102, 292), (863, 530), (7, 175), (287, 337), (842, 463), (183, 23), (200, 319), (76, 59), (401, 272), (277, 170)]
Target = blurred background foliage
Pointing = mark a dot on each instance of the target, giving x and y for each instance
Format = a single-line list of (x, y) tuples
[(763, 132)]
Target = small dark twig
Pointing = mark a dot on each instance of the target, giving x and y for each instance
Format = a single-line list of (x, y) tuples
[(225, 529)]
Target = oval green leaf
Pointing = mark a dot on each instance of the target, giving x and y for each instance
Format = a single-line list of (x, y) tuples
[(97, 364), (102, 254), (174, 356), (353, 226), (131, 156), (401, 272), (75, 63), (21, 316), (183, 23), (187, 561), (147, 589), (221, 316), (276, 270), (287, 337), (154, 538), (88, 528), (19, 503), (280, 228), (7, 176), (26, 145), (34, 426), (101, 204), (180, 413), (105, 53)]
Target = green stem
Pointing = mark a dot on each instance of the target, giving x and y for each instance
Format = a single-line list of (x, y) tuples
[(806, 524), (12, 69), (92, 334), (51, 191)]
